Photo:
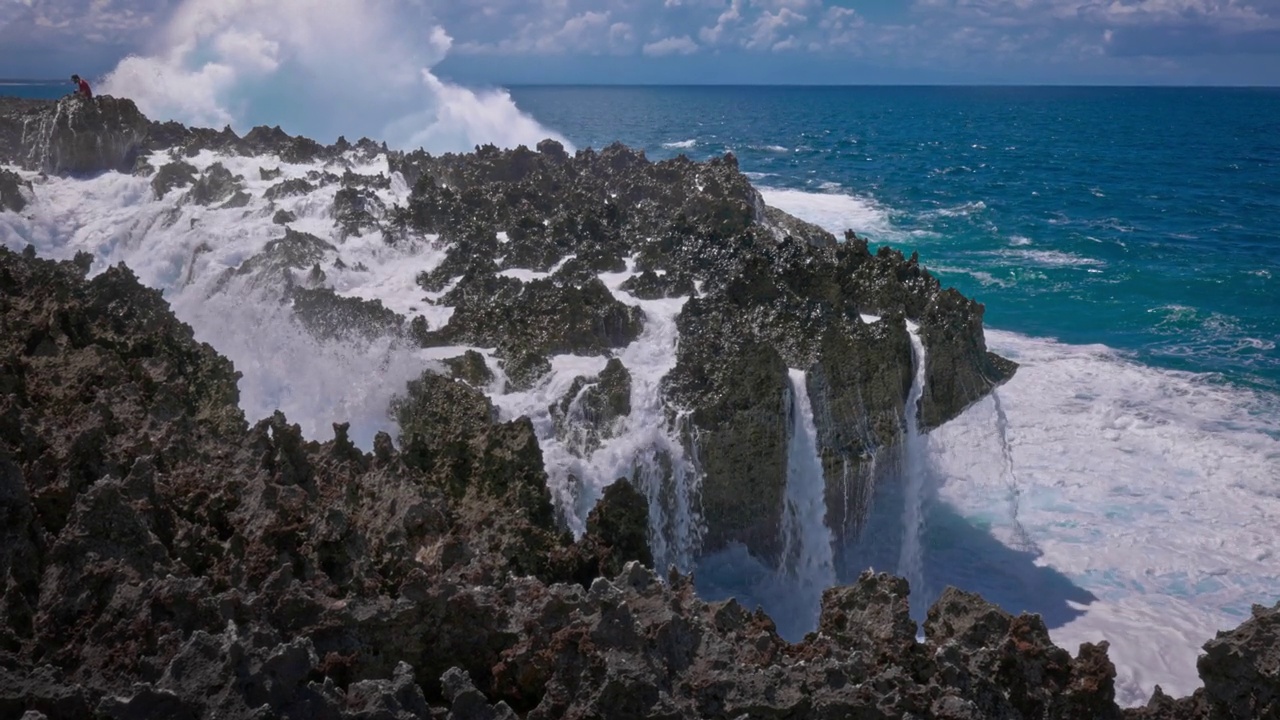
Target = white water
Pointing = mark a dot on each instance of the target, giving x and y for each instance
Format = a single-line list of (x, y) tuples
[(807, 559), (359, 68), (645, 444), (914, 471), (1119, 501)]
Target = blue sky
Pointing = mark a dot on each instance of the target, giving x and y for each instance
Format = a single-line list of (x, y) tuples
[(1230, 42)]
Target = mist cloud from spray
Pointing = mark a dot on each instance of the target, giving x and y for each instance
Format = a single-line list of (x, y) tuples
[(353, 68)]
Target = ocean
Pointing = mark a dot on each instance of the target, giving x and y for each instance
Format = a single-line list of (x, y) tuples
[(1125, 484)]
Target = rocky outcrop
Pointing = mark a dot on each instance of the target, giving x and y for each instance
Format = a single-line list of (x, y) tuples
[(767, 292), (591, 409), (14, 191), (176, 174), (216, 185), (72, 136), (159, 557)]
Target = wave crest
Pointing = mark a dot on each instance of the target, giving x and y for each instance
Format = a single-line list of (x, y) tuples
[(358, 68)]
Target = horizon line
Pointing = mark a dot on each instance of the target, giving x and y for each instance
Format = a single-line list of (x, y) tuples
[(993, 84)]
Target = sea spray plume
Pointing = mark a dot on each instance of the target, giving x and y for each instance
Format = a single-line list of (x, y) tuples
[(356, 68)]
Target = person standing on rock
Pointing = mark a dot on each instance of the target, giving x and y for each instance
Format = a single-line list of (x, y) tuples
[(82, 87)]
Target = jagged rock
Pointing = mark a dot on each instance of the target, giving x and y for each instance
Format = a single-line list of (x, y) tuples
[(328, 315), (14, 191), (263, 140), (471, 368), (278, 259), (1241, 668), (356, 211), (268, 174), (173, 175), (617, 533), (649, 285), (372, 182), (540, 317), (161, 558), (72, 136), (288, 188), (216, 185), (283, 217), (958, 369), (524, 368), (592, 407)]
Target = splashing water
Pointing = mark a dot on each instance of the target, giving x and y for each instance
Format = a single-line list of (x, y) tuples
[(360, 67), (646, 447), (807, 558), (915, 467)]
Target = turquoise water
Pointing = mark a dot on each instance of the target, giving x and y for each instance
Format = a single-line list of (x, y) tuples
[(1144, 219)]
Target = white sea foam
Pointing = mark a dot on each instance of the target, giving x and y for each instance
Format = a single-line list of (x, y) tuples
[(1049, 258), (1120, 501), (1155, 491), (834, 212), (185, 249), (357, 68), (681, 145)]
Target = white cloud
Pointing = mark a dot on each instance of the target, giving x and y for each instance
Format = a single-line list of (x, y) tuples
[(683, 45)]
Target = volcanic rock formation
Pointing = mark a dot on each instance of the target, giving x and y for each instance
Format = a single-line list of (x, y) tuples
[(162, 558)]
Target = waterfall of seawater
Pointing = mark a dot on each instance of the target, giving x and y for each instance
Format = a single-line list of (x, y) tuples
[(646, 447), (914, 469), (807, 560)]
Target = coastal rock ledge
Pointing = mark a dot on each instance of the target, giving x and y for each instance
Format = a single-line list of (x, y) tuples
[(162, 558)]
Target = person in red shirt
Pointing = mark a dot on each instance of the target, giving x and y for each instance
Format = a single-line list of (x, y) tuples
[(82, 86)]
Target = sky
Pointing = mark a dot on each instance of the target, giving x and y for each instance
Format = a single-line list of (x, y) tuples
[(504, 42)]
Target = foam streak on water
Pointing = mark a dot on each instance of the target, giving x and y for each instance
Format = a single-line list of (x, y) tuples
[(807, 554)]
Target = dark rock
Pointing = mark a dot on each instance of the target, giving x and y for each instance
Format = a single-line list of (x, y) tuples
[(173, 175), (617, 533), (591, 409), (216, 185), (524, 368), (356, 211), (650, 285), (471, 368), (329, 316), (1241, 668), (284, 217), (72, 136), (14, 191), (268, 174), (539, 317), (274, 266), (289, 188), (958, 369)]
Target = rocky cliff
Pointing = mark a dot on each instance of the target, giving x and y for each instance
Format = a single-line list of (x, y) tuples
[(766, 291), (161, 557)]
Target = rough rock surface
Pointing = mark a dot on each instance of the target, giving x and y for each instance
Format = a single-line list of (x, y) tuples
[(160, 557), (14, 191), (72, 136), (766, 292)]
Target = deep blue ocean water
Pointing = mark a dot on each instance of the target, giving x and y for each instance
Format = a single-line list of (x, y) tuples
[(1145, 219)]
